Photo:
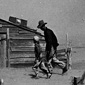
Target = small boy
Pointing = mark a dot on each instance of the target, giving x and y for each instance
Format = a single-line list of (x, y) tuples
[(40, 61)]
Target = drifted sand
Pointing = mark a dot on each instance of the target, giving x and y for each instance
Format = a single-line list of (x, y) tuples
[(23, 75)]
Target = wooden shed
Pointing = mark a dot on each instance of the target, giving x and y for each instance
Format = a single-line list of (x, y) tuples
[(19, 46)]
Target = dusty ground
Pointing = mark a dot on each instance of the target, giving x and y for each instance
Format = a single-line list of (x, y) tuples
[(23, 75)]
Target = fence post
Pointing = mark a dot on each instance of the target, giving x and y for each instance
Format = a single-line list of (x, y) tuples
[(8, 50), (69, 54), (3, 51), (66, 41)]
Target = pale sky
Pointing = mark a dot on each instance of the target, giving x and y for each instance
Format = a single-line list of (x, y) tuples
[(62, 16)]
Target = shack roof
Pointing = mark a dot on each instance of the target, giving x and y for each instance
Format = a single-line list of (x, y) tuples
[(22, 27)]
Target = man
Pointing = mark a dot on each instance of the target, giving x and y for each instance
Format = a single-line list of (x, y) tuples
[(39, 59), (51, 45)]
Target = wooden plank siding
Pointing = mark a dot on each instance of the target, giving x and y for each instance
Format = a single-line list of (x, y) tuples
[(20, 43)]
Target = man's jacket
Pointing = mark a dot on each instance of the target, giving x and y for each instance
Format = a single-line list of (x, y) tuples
[(51, 39)]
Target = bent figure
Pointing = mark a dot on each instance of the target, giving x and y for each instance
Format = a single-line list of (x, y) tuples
[(51, 43)]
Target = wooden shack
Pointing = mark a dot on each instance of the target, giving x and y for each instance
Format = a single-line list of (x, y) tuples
[(19, 42)]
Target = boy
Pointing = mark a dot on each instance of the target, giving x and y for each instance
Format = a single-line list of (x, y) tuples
[(40, 61)]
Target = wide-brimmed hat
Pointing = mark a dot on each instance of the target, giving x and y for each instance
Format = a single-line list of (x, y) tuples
[(41, 23)]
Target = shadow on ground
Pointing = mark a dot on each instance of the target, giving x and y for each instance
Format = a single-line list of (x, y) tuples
[(22, 65)]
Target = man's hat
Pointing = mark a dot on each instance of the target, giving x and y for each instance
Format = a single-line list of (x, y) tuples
[(41, 23)]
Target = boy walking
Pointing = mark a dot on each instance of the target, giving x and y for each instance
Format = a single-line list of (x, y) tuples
[(40, 61)]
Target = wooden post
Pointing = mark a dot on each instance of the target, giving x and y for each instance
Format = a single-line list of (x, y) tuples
[(3, 51), (66, 41), (69, 62), (8, 50)]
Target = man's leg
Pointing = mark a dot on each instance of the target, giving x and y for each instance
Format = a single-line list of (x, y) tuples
[(61, 63), (48, 60), (49, 65)]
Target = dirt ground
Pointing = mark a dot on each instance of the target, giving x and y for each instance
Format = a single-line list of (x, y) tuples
[(24, 75)]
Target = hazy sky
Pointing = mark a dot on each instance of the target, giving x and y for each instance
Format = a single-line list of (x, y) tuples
[(62, 16)]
